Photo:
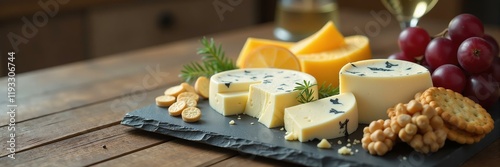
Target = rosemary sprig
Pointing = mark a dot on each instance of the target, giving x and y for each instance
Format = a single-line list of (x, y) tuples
[(213, 61), (306, 94), (327, 90)]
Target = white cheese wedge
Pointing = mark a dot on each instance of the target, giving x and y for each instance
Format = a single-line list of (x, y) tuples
[(326, 118), (262, 93), (381, 83)]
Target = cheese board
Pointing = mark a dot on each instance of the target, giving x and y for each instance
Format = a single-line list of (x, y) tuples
[(249, 136)]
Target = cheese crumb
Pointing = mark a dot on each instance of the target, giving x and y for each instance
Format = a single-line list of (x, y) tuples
[(239, 117), (290, 136), (404, 158), (345, 151), (282, 129), (348, 145), (231, 122), (324, 144), (251, 123), (357, 150), (339, 142), (348, 140)]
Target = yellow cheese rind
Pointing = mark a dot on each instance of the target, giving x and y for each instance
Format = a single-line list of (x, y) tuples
[(327, 38), (325, 66), (376, 92), (315, 120), (253, 43)]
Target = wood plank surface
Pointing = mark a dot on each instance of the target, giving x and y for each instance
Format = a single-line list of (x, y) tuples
[(69, 112), (174, 153), (87, 149), (47, 129)]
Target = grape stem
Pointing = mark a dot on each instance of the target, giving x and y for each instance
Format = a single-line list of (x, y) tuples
[(441, 34)]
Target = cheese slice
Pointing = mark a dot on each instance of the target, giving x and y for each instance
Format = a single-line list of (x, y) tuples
[(262, 93), (253, 43), (379, 84), (326, 118), (325, 66), (327, 38)]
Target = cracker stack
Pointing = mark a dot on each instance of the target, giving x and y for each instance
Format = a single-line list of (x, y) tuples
[(467, 122)]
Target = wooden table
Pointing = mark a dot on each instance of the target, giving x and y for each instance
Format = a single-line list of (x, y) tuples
[(70, 115)]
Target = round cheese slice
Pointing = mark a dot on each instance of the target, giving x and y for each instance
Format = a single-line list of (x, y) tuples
[(262, 93), (381, 83)]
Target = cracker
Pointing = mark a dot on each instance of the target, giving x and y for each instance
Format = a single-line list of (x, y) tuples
[(458, 111), (202, 86), (165, 100), (176, 108), (461, 136), (191, 114), (191, 95)]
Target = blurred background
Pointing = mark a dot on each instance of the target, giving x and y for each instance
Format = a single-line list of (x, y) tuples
[(47, 33)]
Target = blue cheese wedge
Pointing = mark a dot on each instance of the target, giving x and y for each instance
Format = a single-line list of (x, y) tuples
[(262, 93), (379, 84), (327, 118)]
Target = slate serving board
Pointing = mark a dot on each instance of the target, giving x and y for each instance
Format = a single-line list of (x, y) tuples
[(256, 139)]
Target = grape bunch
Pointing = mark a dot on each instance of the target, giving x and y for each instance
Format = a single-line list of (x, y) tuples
[(461, 58)]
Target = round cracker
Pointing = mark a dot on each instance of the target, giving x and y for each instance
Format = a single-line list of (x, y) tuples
[(165, 100), (461, 136), (191, 114), (174, 90), (176, 108), (202, 86), (191, 95), (458, 111)]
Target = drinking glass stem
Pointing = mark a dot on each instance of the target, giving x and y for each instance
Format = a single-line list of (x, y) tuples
[(408, 23)]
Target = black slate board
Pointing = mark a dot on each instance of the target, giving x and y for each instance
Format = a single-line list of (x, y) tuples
[(256, 139)]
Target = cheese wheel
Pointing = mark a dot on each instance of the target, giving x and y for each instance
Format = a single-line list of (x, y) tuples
[(379, 84), (263, 93), (325, 66)]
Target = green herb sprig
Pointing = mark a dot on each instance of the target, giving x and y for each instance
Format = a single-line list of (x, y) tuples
[(213, 61), (306, 94)]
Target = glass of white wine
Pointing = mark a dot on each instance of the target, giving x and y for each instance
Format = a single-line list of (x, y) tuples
[(408, 12), (297, 19)]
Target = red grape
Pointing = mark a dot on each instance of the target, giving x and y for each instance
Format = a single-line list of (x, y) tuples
[(413, 41), (465, 26), (449, 76), (474, 55), (483, 89), (441, 51), (402, 56), (495, 69), (493, 43), (426, 65)]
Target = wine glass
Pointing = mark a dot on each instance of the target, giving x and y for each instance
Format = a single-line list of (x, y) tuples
[(409, 11)]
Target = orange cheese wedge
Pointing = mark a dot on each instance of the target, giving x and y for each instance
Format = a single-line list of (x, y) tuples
[(326, 39), (325, 66), (253, 43)]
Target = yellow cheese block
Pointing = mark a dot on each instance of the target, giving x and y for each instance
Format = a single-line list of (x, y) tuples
[(253, 43), (328, 38), (325, 66)]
